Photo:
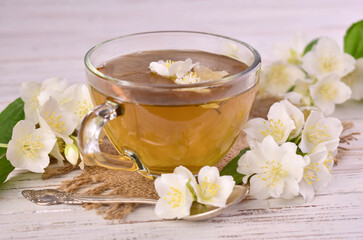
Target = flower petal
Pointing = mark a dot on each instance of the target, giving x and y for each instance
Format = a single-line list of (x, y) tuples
[(54, 84), (291, 188), (296, 115), (256, 128), (159, 68), (57, 155), (258, 188), (306, 190)]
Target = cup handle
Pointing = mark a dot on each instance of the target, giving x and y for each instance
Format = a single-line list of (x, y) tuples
[(88, 139)]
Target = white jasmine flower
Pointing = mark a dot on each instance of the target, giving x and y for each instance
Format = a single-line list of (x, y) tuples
[(189, 78), (72, 154), (316, 174), (355, 80), (278, 124), (326, 58), (278, 78), (29, 147), (33, 94), (60, 122), (80, 104), (175, 198), (213, 189), (291, 51), (171, 69), (318, 130), (276, 170), (296, 115), (329, 91)]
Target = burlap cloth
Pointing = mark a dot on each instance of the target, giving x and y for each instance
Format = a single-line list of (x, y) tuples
[(101, 181)]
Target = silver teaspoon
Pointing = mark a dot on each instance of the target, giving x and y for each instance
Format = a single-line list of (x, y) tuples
[(198, 211)]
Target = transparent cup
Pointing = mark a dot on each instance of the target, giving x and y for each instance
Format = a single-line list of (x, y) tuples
[(157, 127)]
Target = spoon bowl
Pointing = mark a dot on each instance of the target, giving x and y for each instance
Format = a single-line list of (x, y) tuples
[(200, 212)]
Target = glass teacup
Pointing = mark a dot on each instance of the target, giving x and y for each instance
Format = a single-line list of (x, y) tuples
[(157, 127)]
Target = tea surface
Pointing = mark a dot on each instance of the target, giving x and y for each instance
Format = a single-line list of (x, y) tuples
[(135, 67)]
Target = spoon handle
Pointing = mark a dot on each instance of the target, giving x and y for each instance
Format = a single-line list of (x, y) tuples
[(111, 199), (53, 196)]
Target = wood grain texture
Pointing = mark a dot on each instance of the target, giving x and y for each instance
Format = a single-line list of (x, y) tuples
[(40, 39)]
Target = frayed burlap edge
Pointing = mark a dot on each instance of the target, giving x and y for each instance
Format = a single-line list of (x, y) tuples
[(96, 180)]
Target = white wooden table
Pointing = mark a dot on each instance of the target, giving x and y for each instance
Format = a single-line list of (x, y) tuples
[(40, 39)]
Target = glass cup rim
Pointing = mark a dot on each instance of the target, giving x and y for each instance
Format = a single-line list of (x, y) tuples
[(255, 65)]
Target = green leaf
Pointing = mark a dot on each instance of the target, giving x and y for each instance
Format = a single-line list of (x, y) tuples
[(231, 168), (353, 40), (291, 89), (11, 115), (310, 46)]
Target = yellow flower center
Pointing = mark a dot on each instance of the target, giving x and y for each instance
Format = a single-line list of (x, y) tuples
[(328, 64), (328, 163), (272, 172), (328, 91), (317, 134), (55, 122), (191, 77), (168, 63), (30, 146), (275, 129), (82, 108), (209, 190), (309, 173), (175, 197)]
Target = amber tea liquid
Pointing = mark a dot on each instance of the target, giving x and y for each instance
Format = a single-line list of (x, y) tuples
[(171, 134)]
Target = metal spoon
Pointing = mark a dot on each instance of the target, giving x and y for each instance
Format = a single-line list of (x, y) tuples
[(198, 211)]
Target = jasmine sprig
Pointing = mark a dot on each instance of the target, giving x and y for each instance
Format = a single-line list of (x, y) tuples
[(320, 75), (52, 113), (288, 155)]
